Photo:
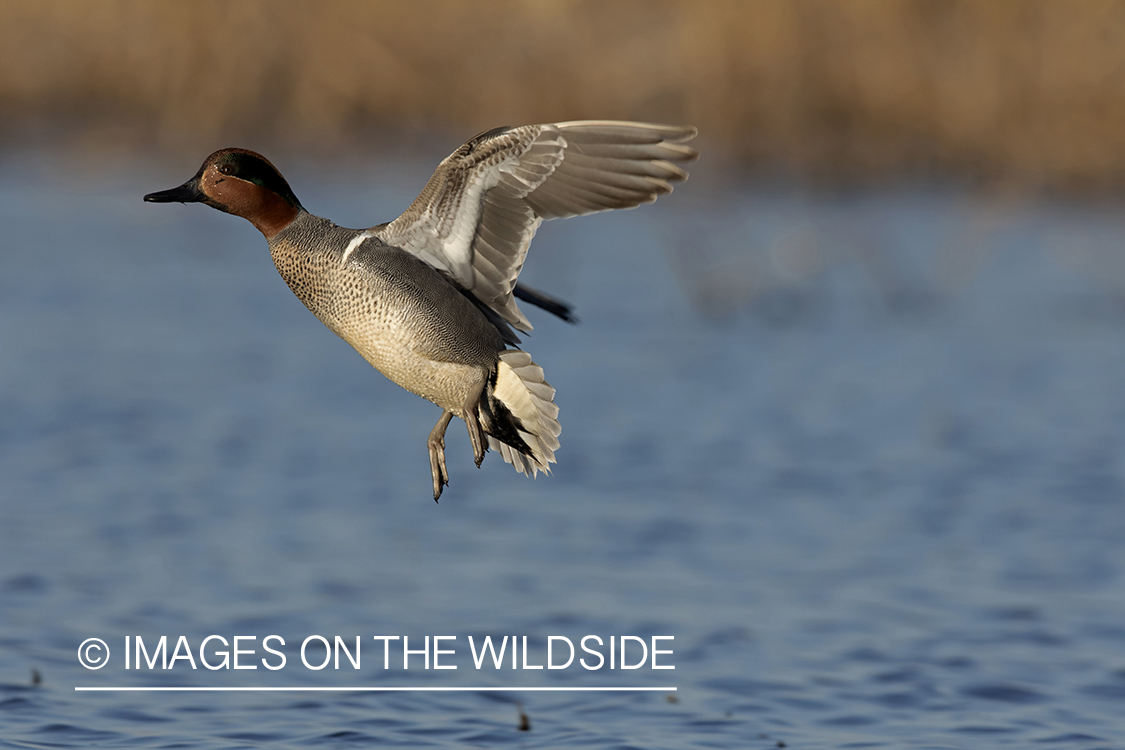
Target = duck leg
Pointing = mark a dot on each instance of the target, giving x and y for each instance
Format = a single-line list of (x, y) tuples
[(436, 444), (476, 434)]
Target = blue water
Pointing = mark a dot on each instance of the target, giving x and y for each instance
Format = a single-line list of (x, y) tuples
[(862, 455)]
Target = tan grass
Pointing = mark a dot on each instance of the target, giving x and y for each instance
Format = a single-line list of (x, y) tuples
[(1020, 89)]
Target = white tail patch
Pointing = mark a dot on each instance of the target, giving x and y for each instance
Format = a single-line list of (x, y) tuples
[(521, 388)]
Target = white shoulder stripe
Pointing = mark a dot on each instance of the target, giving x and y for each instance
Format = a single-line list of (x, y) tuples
[(356, 241)]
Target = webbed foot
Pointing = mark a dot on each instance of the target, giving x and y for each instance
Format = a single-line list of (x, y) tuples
[(436, 445)]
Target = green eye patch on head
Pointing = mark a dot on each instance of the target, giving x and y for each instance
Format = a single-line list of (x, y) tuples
[(253, 168)]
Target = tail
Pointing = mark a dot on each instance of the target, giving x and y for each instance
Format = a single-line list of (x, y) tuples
[(518, 415)]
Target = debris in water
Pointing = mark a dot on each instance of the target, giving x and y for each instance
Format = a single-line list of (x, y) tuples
[(525, 723)]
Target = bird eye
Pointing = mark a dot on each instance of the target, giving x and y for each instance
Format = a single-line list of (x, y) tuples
[(226, 169)]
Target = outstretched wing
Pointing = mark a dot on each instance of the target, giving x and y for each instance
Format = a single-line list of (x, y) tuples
[(476, 216)]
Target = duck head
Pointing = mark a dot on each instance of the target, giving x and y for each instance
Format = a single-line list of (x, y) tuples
[(242, 183)]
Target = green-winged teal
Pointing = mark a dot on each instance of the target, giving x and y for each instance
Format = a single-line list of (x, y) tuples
[(428, 298)]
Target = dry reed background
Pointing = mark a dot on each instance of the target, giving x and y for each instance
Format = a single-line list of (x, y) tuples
[(1027, 91)]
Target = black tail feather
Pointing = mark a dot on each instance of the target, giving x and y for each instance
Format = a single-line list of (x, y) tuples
[(498, 421), (545, 301)]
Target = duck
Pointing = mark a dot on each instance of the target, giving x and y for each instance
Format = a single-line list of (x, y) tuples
[(429, 299)]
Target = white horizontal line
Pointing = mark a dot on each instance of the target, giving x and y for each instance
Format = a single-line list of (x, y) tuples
[(368, 689)]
